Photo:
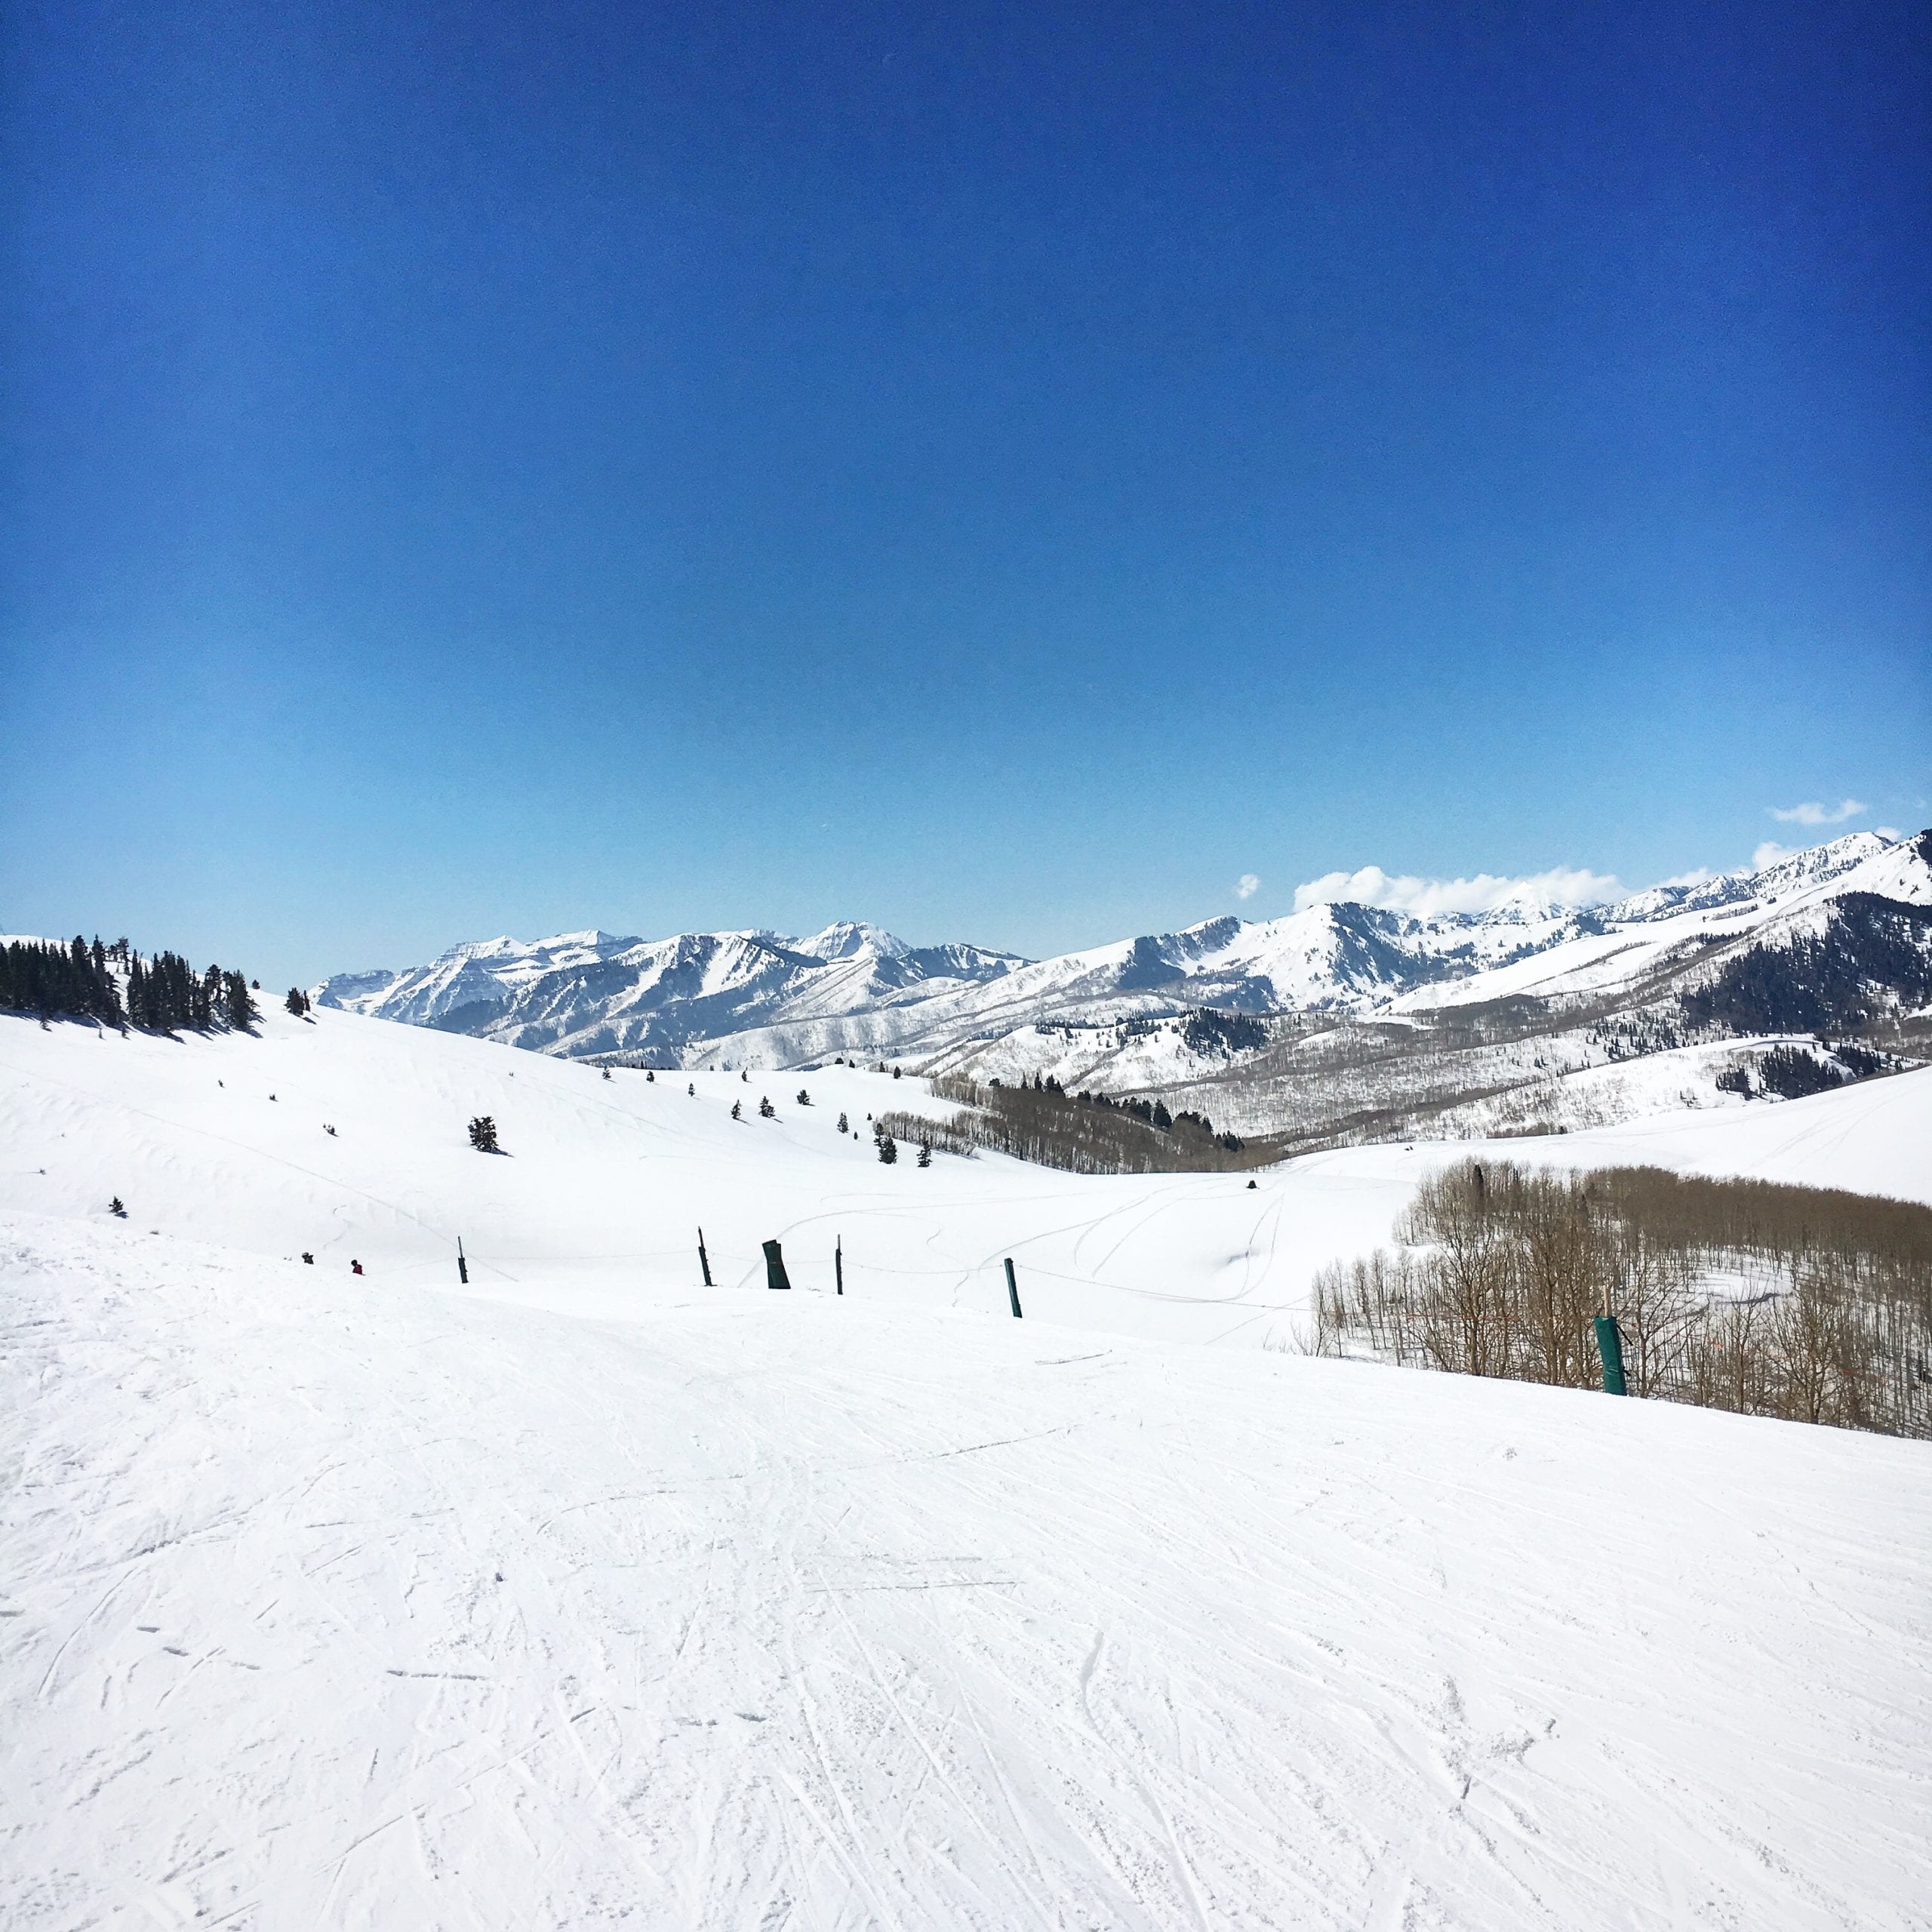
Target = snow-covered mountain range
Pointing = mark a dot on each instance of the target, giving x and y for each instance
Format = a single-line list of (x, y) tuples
[(760, 998)]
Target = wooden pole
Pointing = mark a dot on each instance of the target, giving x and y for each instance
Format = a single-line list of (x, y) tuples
[(838, 1264), (703, 1259), (1012, 1288), (462, 1266)]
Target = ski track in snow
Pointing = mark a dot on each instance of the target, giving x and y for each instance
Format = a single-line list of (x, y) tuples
[(589, 1597)]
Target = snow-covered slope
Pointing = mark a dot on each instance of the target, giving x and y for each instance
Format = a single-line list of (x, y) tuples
[(332, 1604), (588, 1594), (603, 1184), (755, 999)]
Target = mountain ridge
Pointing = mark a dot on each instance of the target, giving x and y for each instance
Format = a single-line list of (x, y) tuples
[(759, 998)]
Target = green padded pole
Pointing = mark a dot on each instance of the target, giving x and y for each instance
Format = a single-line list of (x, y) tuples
[(1610, 1345)]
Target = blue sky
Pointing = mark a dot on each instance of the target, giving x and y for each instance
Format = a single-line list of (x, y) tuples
[(1009, 472)]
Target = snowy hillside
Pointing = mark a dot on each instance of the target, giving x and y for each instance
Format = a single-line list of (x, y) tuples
[(590, 1595), (603, 1184), (335, 1604)]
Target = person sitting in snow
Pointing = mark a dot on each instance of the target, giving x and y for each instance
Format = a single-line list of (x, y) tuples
[(355, 1267)]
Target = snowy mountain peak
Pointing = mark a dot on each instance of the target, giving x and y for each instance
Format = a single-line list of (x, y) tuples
[(843, 938)]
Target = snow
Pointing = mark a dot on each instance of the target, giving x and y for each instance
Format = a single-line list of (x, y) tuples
[(588, 1594), (344, 1604)]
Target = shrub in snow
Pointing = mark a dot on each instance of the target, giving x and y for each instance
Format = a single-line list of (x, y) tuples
[(766, 1111), (483, 1134), (844, 1126)]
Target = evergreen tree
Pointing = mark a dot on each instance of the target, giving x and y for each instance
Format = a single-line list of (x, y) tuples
[(844, 1126), (483, 1134), (888, 1149), (925, 1153), (50, 981), (294, 1002), (240, 1014), (766, 1110), (737, 1110)]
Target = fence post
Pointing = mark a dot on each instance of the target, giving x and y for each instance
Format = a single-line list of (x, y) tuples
[(1610, 1346), (462, 1266), (1012, 1288), (703, 1259), (775, 1276), (838, 1265)]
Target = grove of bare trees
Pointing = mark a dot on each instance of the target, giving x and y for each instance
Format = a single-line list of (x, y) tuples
[(1804, 1303)]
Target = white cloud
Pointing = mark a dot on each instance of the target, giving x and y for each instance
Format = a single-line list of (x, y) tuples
[(1812, 813), (1561, 885), (1697, 876), (1891, 831), (1769, 853), (1246, 886)]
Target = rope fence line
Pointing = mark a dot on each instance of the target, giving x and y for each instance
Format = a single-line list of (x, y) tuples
[(746, 1265)]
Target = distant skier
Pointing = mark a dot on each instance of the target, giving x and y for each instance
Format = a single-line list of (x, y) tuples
[(355, 1267)]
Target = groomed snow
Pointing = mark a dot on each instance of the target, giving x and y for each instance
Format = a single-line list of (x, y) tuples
[(591, 1596), (329, 1603)]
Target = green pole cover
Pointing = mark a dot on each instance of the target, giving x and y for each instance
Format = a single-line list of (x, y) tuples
[(1610, 1345)]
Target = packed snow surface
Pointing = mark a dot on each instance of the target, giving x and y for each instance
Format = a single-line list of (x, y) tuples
[(331, 1603), (588, 1595)]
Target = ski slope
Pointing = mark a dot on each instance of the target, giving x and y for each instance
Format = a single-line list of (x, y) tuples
[(604, 1184), (338, 1603), (587, 1596)]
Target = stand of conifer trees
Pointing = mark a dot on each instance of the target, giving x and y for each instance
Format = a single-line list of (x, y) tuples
[(164, 995)]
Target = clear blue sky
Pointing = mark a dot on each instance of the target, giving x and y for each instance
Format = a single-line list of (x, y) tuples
[(1002, 471)]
